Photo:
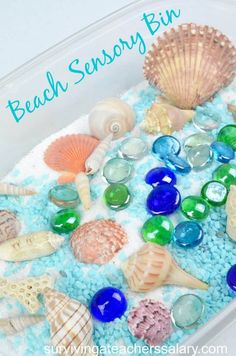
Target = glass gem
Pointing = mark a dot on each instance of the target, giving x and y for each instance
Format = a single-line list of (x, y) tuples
[(178, 165), (228, 135), (196, 140), (200, 157), (231, 278), (195, 208), (64, 196), (117, 196), (160, 175), (157, 229), (187, 311), (188, 234), (226, 174), (117, 170), (205, 121), (222, 152), (163, 200), (133, 148), (166, 145), (108, 304), (65, 221), (215, 193)]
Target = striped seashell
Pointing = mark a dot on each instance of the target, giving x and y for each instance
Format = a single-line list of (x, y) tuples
[(83, 188), (12, 189), (231, 213), (17, 324), (152, 266), (9, 225)]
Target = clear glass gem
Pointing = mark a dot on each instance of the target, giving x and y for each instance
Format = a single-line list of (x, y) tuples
[(133, 148), (206, 121), (64, 196), (215, 193), (165, 145), (196, 140), (117, 170), (200, 157)]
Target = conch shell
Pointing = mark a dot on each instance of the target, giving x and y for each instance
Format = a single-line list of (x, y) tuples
[(17, 324), (231, 211), (190, 64), (152, 266), (30, 246), (12, 189), (83, 188), (232, 109), (94, 162), (165, 118)]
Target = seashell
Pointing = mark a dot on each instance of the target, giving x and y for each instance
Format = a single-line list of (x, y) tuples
[(150, 321), (94, 162), (9, 225), (190, 64), (152, 266), (70, 323), (66, 177), (25, 291), (108, 236), (82, 184), (165, 118), (232, 109), (231, 212), (111, 115), (17, 324), (30, 246), (12, 189)]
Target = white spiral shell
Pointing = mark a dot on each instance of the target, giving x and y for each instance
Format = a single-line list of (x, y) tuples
[(83, 188), (231, 212), (95, 160), (17, 324), (11, 189)]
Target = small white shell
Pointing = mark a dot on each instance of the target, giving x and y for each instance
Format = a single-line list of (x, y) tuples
[(11, 189), (83, 188), (231, 211), (17, 324), (95, 160)]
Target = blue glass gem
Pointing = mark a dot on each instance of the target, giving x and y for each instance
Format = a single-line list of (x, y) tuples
[(163, 200), (222, 151), (178, 165), (108, 304), (165, 145), (160, 175), (188, 234), (231, 278)]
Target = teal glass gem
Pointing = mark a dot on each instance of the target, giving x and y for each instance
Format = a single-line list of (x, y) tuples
[(222, 152), (178, 165), (188, 234), (64, 196), (195, 208), (164, 146), (215, 193), (200, 157), (117, 196), (206, 121), (117, 170), (228, 135), (157, 229), (133, 148), (65, 221), (196, 140), (226, 174)]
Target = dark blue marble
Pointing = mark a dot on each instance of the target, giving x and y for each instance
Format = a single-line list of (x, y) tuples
[(163, 200), (160, 175), (178, 165), (231, 278), (164, 146), (222, 152), (188, 234)]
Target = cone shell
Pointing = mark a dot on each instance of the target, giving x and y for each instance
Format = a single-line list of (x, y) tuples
[(83, 188), (232, 109), (12, 189), (108, 237), (9, 225), (111, 116), (190, 64), (17, 324), (231, 213), (152, 266)]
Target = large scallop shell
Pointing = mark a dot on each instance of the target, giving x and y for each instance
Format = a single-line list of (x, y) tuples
[(190, 64), (12, 189), (17, 324), (152, 266), (231, 212), (98, 241), (111, 115), (9, 225)]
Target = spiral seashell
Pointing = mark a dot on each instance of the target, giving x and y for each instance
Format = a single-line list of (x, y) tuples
[(190, 64), (108, 236), (152, 266), (30, 246), (111, 115), (82, 184), (95, 160), (232, 109), (12, 189), (17, 324), (9, 225), (231, 213)]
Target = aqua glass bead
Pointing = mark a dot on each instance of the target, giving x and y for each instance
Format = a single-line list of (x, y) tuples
[(226, 174), (188, 234), (160, 175), (200, 157), (164, 146), (64, 196), (178, 165), (228, 135), (215, 193), (108, 304), (196, 140), (187, 311), (133, 148), (206, 121), (117, 170), (222, 152), (158, 229), (117, 196), (231, 278), (195, 208), (65, 220), (163, 200)]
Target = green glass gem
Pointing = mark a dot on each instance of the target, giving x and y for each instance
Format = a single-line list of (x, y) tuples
[(215, 193), (228, 135), (195, 208), (158, 229), (117, 196), (65, 221), (226, 174), (64, 196)]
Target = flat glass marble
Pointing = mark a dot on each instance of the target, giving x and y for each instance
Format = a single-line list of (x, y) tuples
[(108, 304), (222, 152), (163, 200), (178, 165), (63, 196), (65, 221), (200, 157), (228, 135), (165, 145), (187, 311), (188, 234), (195, 208), (117, 170), (160, 175), (206, 121), (117, 196), (133, 148), (196, 140), (226, 174), (215, 193), (231, 278), (157, 229)]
